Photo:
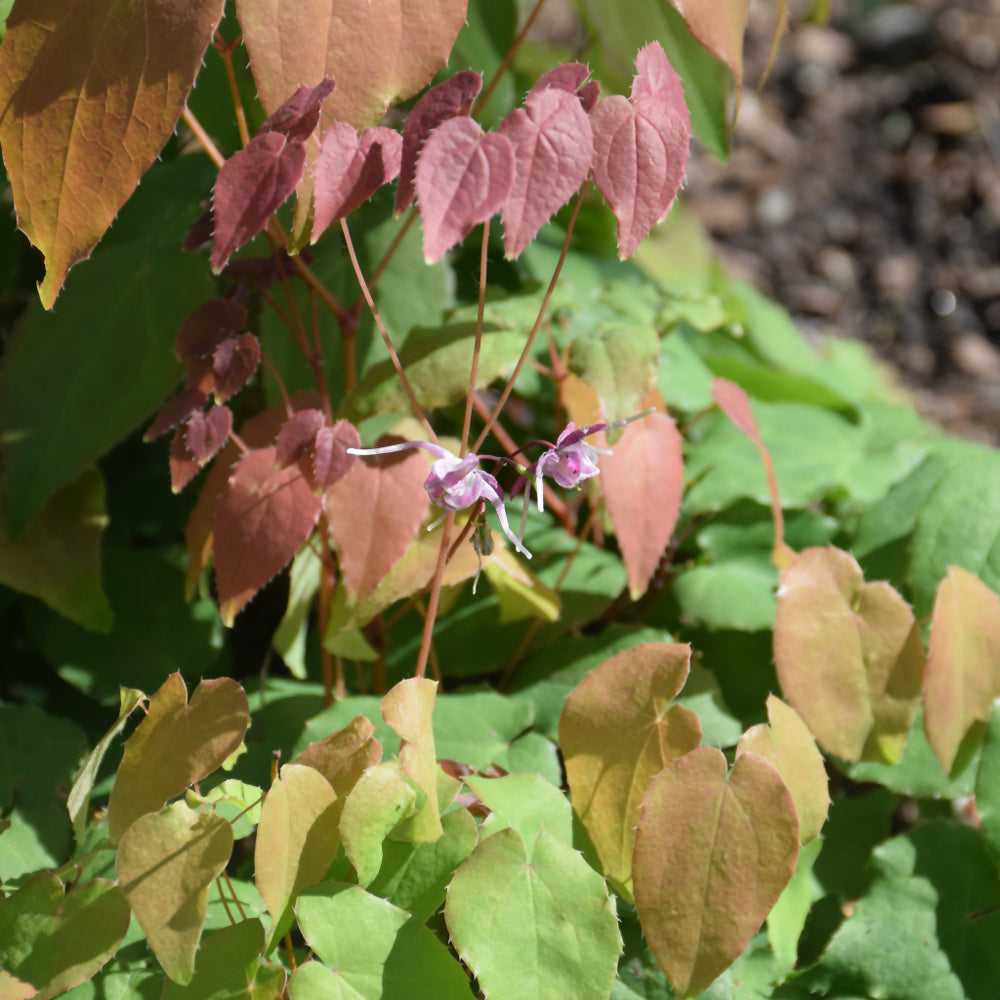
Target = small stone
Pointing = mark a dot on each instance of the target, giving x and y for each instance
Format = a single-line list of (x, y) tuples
[(896, 274), (775, 206), (975, 355)]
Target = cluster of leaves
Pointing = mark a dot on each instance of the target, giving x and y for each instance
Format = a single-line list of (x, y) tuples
[(601, 794)]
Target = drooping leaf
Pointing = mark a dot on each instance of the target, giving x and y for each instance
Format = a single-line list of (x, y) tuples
[(719, 26), (166, 862), (328, 460), (57, 556), (370, 950), (296, 840), (207, 326), (788, 746), (175, 411), (464, 176), (962, 677), (449, 99), (641, 148), (550, 931), (848, 655), (260, 521), (56, 940), (90, 94), (348, 171), (408, 708), (641, 482), (374, 513), (175, 745), (298, 117), (712, 855), (233, 362), (553, 145), (617, 731), (196, 443), (228, 961)]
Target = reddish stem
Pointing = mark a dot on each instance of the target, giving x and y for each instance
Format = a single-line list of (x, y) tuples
[(485, 96)]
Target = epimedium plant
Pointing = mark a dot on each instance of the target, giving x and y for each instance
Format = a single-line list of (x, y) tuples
[(690, 510)]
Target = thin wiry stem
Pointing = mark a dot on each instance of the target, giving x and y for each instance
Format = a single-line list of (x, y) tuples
[(203, 137), (435, 595), (478, 344), (485, 96)]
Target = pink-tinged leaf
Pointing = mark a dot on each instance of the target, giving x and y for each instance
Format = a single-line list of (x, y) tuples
[(207, 327), (571, 77), (553, 147), (90, 92), (330, 460), (788, 746), (641, 148), (298, 117), (234, 361), (344, 755), (175, 745), (962, 677), (174, 411), (712, 855), (251, 185), (450, 99), (641, 482), (296, 435), (378, 52), (183, 465), (616, 731), (464, 176), (349, 172), (261, 520), (207, 433), (735, 404), (374, 514), (719, 27), (848, 656)]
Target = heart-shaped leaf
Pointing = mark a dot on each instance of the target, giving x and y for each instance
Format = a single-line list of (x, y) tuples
[(330, 460), (175, 745), (464, 176), (207, 433), (616, 731), (641, 148), (208, 326), (571, 77), (261, 520), (848, 655), (233, 362), (298, 117), (641, 482), (712, 856), (344, 755), (962, 677), (296, 436), (553, 148), (174, 411)]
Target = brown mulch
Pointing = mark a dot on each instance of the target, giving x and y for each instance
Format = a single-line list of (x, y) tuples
[(863, 191)]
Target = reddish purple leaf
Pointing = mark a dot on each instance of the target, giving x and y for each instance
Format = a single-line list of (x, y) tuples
[(553, 148), (200, 375), (447, 100), (200, 232), (348, 173), (183, 465), (208, 432), (641, 148), (251, 185), (234, 361), (464, 176), (261, 520), (207, 327), (571, 77), (174, 411), (297, 435), (298, 117), (330, 460)]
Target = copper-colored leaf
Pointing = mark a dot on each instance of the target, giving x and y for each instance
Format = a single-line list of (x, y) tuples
[(553, 148), (712, 856), (329, 460), (297, 434), (207, 327), (642, 481), (718, 25), (90, 92), (174, 411), (175, 745), (233, 362), (788, 746), (616, 731), (447, 100), (962, 678), (344, 755), (641, 148), (374, 513), (408, 708), (848, 655), (262, 519), (464, 176)]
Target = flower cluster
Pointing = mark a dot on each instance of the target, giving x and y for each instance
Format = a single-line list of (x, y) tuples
[(456, 483)]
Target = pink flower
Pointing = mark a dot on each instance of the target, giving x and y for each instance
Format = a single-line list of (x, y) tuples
[(456, 483)]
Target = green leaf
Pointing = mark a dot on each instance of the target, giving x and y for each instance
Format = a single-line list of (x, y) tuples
[(289, 639), (733, 593), (788, 916), (235, 801), (57, 555), (227, 965), (770, 384), (550, 931), (526, 803), (478, 727), (55, 940), (619, 362), (988, 785), (370, 950), (166, 862), (684, 380)]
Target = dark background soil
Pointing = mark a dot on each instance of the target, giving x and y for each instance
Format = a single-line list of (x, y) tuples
[(863, 191)]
